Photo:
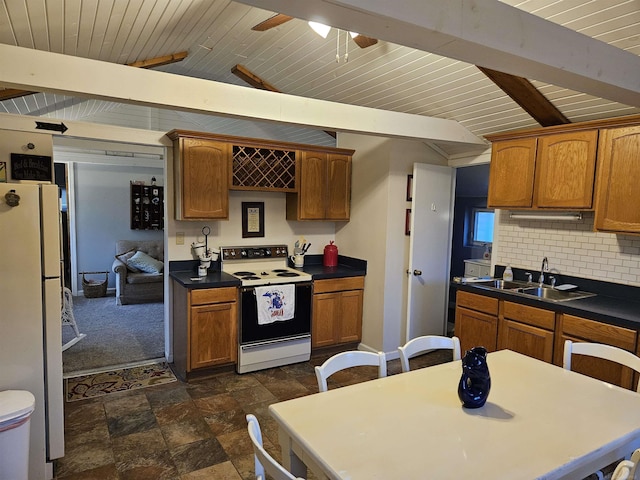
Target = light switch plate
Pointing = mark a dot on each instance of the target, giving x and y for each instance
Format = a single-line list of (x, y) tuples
[(179, 238)]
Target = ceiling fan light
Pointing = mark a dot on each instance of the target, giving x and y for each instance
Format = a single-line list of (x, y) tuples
[(353, 34), (320, 29)]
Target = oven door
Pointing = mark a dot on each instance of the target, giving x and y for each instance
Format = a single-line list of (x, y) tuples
[(300, 324)]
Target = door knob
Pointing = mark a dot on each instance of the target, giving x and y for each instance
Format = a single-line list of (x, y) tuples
[(417, 272)]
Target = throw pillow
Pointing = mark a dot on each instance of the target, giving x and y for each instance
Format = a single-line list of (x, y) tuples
[(145, 263), (125, 257)]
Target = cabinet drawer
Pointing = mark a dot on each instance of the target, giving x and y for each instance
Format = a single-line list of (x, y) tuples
[(213, 295), (338, 284), (530, 315), (599, 332), (477, 302)]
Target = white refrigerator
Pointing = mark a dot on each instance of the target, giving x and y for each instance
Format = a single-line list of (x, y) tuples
[(30, 319)]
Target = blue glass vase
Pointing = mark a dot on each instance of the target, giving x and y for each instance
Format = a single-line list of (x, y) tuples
[(475, 382)]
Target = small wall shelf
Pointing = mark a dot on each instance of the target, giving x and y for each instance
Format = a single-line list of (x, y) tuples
[(147, 207)]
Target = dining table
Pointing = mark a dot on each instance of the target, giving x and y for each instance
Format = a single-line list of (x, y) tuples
[(540, 421)]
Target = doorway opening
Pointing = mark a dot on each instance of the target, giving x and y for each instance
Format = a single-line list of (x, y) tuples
[(472, 225), (96, 184)]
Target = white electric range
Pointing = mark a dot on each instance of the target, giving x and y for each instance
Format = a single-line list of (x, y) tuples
[(280, 342), (260, 265)]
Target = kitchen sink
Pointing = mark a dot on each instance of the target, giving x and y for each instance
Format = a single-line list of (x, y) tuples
[(527, 289), (502, 284), (553, 295)]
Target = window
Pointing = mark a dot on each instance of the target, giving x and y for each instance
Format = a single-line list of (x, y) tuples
[(482, 226)]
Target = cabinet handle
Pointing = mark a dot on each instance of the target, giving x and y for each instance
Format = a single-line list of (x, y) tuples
[(417, 272)]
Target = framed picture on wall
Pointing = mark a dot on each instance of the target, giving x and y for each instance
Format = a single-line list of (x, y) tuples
[(3, 172), (252, 219), (409, 187)]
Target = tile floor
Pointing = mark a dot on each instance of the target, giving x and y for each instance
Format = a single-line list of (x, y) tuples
[(189, 431)]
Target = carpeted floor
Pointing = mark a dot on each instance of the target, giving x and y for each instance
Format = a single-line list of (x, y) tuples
[(116, 335)]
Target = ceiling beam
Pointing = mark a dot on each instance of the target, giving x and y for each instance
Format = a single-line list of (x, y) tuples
[(252, 79), (484, 32), (75, 76), (528, 97), (255, 81), (159, 61), (9, 93)]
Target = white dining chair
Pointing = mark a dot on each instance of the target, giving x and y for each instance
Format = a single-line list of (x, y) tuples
[(263, 461), (599, 350), (628, 469), (427, 343), (344, 360)]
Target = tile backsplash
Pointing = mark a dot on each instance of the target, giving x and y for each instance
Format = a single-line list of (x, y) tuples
[(573, 248)]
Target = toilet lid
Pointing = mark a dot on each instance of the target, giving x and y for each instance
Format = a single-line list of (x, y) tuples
[(15, 403)]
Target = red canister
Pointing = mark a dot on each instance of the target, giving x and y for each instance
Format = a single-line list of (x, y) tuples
[(330, 258)]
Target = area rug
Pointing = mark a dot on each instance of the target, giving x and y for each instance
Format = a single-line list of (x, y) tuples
[(98, 384)]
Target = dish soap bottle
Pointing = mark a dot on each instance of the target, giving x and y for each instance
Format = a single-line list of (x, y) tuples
[(508, 274), (487, 254)]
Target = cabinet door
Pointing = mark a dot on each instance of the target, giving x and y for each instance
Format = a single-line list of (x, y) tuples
[(312, 191), (617, 200), (213, 335), (565, 170), (339, 187), (350, 325), (204, 173), (326, 307), (476, 329), (511, 173), (532, 341)]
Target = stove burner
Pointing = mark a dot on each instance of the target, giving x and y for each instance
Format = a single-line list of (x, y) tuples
[(243, 274), (280, 270), (287, 274), (250, 277)]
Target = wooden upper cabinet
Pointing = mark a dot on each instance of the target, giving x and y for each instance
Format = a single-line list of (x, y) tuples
[(617, 199), (324, 188), (202, 176), (565, 170), (549, 171), (511, 173), (312, 190), (339, 187)]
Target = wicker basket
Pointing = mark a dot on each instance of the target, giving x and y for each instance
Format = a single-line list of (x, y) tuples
[(94, 288)]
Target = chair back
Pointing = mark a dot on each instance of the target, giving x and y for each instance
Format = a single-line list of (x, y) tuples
[(427, 343), (599, 350), (627, 469), (344, 360), (263, 461)]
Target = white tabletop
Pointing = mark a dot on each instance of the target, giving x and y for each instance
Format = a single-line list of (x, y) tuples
[(540, 421)]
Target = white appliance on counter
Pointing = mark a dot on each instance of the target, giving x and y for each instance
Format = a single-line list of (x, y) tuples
[(274, 344), (30, 313)]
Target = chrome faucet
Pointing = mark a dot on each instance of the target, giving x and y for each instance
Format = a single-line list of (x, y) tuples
[(545, 268)]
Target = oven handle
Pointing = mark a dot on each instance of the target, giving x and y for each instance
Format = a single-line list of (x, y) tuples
[(251, 346)]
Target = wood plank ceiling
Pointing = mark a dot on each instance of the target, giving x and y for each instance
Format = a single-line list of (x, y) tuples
[(217, 36)]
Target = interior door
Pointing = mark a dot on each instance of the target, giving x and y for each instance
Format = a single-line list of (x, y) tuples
[(430, 250)]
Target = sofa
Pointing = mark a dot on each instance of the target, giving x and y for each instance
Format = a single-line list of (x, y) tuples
[(138, 266)]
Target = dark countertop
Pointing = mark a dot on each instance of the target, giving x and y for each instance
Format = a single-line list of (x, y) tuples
[(347, 267), (624, 312), (212, 280), (183, 271)]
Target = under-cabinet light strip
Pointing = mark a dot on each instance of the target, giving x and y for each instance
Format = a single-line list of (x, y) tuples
[(571, 217)]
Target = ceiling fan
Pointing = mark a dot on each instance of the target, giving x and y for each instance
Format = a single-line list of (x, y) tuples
[(279, 18)]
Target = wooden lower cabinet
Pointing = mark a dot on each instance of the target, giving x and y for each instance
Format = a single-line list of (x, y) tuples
[(337, 311), (579, 329), (476, 321), (527, 330), (205, 325)]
